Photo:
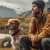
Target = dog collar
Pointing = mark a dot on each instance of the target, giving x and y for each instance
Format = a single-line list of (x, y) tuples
[(15, 33)]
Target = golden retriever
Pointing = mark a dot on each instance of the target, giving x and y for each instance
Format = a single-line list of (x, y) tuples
[(15, 31)]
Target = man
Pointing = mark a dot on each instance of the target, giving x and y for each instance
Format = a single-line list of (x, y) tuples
[(39, 31)]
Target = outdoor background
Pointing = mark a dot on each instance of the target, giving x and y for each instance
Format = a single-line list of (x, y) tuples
[(20, 9)]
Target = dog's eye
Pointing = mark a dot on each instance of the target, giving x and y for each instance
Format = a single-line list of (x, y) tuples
[(11, 23)]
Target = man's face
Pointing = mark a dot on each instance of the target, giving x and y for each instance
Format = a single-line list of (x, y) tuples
[(35, 9)]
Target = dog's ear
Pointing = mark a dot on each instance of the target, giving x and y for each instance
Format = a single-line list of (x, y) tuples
[(17, 22)]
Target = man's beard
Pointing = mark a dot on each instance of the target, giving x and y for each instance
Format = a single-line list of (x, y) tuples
[(35, 14)]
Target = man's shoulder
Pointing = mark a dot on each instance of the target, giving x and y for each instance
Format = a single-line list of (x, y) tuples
[(32, 18), (48, 16), (45, 12)]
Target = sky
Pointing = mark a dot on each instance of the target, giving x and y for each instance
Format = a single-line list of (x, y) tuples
[(18, 5)]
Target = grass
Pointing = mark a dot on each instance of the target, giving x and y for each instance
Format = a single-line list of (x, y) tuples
[(6, 48)]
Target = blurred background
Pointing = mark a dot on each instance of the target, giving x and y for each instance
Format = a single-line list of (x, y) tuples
[(20, 9)]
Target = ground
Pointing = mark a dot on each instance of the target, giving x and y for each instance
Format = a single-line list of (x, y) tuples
[(6, 48)]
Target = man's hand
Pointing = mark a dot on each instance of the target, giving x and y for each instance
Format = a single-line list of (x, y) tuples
[(34, 40)]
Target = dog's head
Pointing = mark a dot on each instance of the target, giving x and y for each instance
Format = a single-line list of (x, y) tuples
[(12, 24)]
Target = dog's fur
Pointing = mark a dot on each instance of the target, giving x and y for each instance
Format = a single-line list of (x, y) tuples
[(13, 26)]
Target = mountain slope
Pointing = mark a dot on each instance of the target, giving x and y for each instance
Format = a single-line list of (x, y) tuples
[(7, 12)]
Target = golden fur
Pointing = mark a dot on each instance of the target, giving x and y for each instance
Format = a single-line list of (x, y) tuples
[(15, 39)]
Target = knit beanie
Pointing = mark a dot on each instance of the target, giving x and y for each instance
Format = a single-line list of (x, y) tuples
[(39, 3)]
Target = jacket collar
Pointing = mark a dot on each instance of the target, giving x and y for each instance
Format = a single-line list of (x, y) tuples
[(44, 13)]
